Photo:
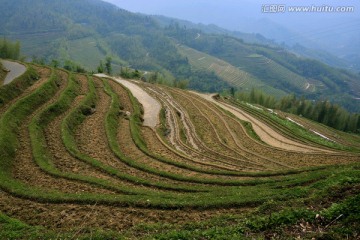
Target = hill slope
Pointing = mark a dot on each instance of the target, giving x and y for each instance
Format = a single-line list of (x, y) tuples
[(87, 31)]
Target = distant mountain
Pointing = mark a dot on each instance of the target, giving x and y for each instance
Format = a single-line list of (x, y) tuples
[(87, 31)]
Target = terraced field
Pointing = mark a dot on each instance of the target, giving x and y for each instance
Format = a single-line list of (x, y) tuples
[(224, 70), (281, 72), (240, 76), (81, 157)]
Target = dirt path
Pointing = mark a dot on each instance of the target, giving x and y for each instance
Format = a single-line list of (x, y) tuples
[(267, 134), (151, 106), (16, 70)]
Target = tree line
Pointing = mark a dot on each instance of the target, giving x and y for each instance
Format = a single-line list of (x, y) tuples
[(323, 112)]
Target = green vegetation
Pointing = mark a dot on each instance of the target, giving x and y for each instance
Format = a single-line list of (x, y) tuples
[(73, 67), (9, 124), (132, 74)]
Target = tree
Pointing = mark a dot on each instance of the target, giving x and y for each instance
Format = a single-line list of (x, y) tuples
[(136, 74), (124, 72), (108, 68), (100, 68), (37, 60), (69, 65), (232, 91), (54, 63), (182, 84), (17, 50), (153, 77)]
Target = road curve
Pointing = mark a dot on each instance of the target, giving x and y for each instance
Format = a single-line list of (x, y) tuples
[(151, 106), (16, 70)]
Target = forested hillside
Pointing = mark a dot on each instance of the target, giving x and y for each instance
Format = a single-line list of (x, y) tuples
[(85, 32)]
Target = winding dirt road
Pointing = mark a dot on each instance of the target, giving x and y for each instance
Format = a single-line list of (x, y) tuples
[(151, 106), (16, 70)]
